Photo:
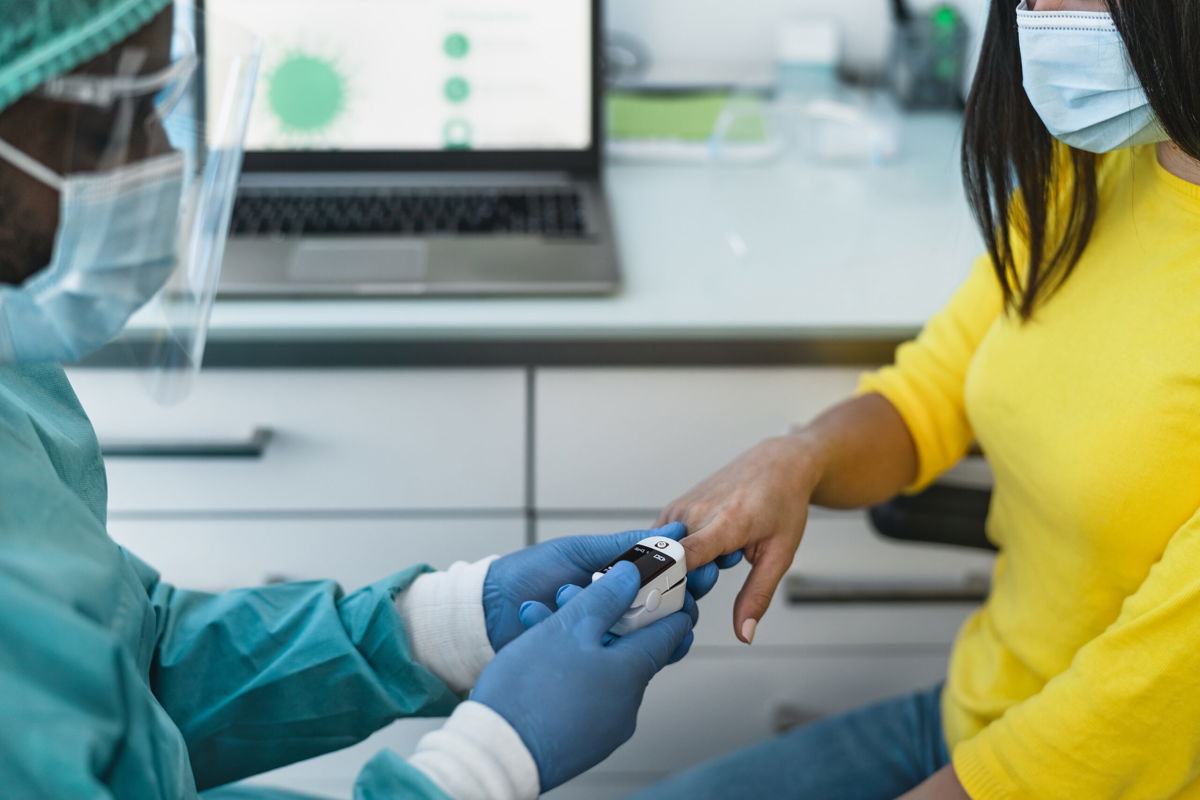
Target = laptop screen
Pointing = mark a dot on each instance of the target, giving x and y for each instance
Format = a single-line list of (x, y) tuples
[(342, 76)]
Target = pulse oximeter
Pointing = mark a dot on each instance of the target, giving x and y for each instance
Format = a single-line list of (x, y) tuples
[(663, 567)]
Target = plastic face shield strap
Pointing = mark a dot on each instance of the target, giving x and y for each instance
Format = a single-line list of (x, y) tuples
[(166, 338), (107, 90)]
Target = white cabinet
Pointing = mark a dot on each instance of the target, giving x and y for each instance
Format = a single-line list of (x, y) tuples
[(340, 440), (637, 438), (220, 554)]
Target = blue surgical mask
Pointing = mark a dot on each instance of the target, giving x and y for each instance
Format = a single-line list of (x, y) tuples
[(1079, 79), (114, 250)]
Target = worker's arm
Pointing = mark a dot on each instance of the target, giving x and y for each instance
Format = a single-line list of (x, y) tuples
[(264, 677), (907, 425), (1121, 720), (78, 719), (259, 678)]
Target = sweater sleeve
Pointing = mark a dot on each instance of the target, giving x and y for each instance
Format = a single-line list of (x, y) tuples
[(1086, 733), (927, 380)]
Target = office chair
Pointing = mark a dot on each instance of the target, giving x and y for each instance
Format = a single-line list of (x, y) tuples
[(942, 514)]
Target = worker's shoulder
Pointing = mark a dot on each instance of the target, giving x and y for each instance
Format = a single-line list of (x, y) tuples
[(42, 425)]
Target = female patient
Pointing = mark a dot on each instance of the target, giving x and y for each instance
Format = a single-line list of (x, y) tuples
[(1072, 354)]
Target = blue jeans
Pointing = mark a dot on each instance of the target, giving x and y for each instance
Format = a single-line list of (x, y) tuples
[(875, 753)]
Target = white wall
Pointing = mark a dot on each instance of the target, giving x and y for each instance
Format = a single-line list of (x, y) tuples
[(720, 30)]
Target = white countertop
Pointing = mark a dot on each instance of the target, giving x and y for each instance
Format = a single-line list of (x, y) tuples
[(779, 251)]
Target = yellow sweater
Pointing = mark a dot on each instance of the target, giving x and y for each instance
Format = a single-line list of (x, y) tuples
[(1080, 677)]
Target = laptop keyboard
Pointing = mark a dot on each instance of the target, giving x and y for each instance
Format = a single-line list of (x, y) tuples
[(271, 212)]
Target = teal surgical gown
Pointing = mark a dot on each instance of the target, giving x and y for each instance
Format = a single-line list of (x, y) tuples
[(115, 684)]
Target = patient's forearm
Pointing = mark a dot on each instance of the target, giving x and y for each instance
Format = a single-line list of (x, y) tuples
[(864, 451)]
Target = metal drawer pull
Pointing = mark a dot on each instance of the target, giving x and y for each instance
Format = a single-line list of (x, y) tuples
[(788, 716), (802, 589), (253, 446)]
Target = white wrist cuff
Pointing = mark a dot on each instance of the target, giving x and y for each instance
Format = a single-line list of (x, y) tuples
[(477, 755), (443, 617)]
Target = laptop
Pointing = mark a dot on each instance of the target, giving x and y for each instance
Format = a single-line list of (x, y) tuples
[(421, 147)]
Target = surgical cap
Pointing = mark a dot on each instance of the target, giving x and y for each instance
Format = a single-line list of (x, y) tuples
[(42, 39)]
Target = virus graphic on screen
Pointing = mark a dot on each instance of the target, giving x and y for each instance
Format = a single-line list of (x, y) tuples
[(306, 93)]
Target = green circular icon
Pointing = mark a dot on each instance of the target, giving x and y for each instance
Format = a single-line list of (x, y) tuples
[(457, 134), (457, 45), (306, 93), (457, 89)]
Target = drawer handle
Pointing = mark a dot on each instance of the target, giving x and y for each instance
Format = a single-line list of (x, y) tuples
[(788, 716), (803, 589), (253, 446)]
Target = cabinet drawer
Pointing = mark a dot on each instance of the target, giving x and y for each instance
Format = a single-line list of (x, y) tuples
[(638, 438), (226, 554), (707, 705), (339, 440), (332, 776), (836, 547)]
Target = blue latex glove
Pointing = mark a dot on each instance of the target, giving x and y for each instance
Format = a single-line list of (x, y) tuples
[(572, 698), (536, 573), (532, 612)]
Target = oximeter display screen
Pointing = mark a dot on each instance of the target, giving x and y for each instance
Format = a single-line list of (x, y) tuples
[(650, 562)]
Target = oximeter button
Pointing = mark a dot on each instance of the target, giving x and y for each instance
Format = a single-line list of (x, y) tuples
[(653, 600)]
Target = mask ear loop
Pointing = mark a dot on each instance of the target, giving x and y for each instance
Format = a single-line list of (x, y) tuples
[(130, 63), (31, 166), (180, 74)]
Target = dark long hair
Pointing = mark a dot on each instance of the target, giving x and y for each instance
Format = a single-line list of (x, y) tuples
[(1020, 182)]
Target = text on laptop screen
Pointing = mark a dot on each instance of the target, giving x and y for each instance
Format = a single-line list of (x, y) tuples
[(388, 75)]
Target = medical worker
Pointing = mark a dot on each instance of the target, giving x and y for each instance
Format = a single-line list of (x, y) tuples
[(1072, 354), (114, 184)]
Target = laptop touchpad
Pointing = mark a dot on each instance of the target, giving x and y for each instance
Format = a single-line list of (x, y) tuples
[(358, 261)]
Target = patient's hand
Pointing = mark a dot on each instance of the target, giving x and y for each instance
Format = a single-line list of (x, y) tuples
[(856, 454), (759, 504)]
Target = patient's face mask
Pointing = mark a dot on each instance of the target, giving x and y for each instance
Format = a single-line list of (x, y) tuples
[(1078, 77), (144, 197)]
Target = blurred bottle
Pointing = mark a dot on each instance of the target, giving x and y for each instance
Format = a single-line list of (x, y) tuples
[(807, 56)]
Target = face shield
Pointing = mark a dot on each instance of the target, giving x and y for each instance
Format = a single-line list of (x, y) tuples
[(145, 175)]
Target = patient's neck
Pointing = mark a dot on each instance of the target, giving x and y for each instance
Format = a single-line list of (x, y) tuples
[(1178, 163)]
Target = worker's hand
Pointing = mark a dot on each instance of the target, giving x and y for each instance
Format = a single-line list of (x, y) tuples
[(569, 690), (533, 612), (757, 504), (536, 573)]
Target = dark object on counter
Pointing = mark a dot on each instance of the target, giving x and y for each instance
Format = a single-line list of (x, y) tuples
[(925, 70)]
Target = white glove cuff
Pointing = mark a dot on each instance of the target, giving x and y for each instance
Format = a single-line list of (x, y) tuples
[(443, 617), (477, 755)]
